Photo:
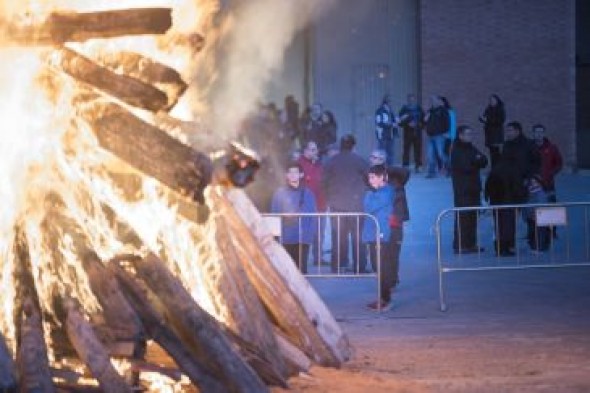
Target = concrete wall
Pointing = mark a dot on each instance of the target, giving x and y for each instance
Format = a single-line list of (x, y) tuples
[(523, 50)]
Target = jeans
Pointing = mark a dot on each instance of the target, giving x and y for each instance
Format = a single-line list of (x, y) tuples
[(435, 152)]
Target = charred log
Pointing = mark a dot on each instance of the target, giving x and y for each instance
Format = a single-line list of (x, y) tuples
[(61, 27), (150, 150), (7, 370), (156, 326), (126, 88), (117, 311), (23, 278), (32, 362), (91, 351), (197, 328), (148, 71)]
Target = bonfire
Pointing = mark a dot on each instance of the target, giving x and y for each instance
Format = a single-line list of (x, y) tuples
[(131, 258)]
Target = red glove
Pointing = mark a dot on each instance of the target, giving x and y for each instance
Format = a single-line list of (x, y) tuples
[(394, 221)]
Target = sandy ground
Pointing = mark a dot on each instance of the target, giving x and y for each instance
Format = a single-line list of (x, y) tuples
[(505, 331)]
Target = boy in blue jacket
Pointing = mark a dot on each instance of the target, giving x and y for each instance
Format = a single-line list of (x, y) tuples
[(297, 233), (378, 202)]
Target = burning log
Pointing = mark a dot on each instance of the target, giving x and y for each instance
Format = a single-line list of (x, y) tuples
[(23, 278), (91, 351), (61, 27), (129, 90), (148, 71), (295, 307), (32, 362), (150, 150), (7, 370), (117, 311), (157, 328), (197, 328)]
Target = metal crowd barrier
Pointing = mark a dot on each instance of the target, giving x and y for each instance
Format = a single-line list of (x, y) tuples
[(566, 227), (321, 265)]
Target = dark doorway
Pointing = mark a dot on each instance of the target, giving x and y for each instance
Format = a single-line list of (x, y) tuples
[(583, 83)]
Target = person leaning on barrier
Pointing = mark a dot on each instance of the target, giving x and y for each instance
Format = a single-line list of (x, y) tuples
[(397, 178), (297, 233), (378, 202), (466, 163)]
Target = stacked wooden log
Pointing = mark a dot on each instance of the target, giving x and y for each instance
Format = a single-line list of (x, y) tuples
[(274, 323)]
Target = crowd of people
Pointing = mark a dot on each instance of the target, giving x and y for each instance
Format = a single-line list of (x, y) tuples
[(312, 174)]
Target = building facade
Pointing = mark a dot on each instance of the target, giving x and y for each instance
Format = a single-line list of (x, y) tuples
[(529, 52)]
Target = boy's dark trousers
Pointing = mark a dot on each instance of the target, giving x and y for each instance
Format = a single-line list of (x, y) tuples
[(298, 252), (388, 265)]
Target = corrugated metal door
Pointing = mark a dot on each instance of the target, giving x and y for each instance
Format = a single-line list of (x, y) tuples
[(370, 82)]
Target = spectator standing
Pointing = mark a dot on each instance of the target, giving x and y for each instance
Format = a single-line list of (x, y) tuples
[(397, 178), (507, 181), (410, 118), (297, 233), (466, 163), (437, 125), (493, 119), (385, 128), (343, 182), (312, 178), (551, 161), (378, 202)]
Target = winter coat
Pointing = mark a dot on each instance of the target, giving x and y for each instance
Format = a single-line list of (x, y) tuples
[(414, 121), (312, 176), (551, 163), (438, 122), (522, 156), (493, 120), (398, 177), (379, 203), (466, 162), (294, 230), (343, 181), (504, 186), (385, 123)]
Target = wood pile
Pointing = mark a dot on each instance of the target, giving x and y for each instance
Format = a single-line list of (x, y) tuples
[(274, 324)]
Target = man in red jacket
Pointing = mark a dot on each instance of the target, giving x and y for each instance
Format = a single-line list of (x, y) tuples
[(551, 161)]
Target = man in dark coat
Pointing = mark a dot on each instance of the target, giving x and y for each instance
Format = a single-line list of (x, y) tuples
[(506, 184), (343, 181), (466, 162)]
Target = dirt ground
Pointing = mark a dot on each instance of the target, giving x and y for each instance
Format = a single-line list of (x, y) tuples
[(481, 364)]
